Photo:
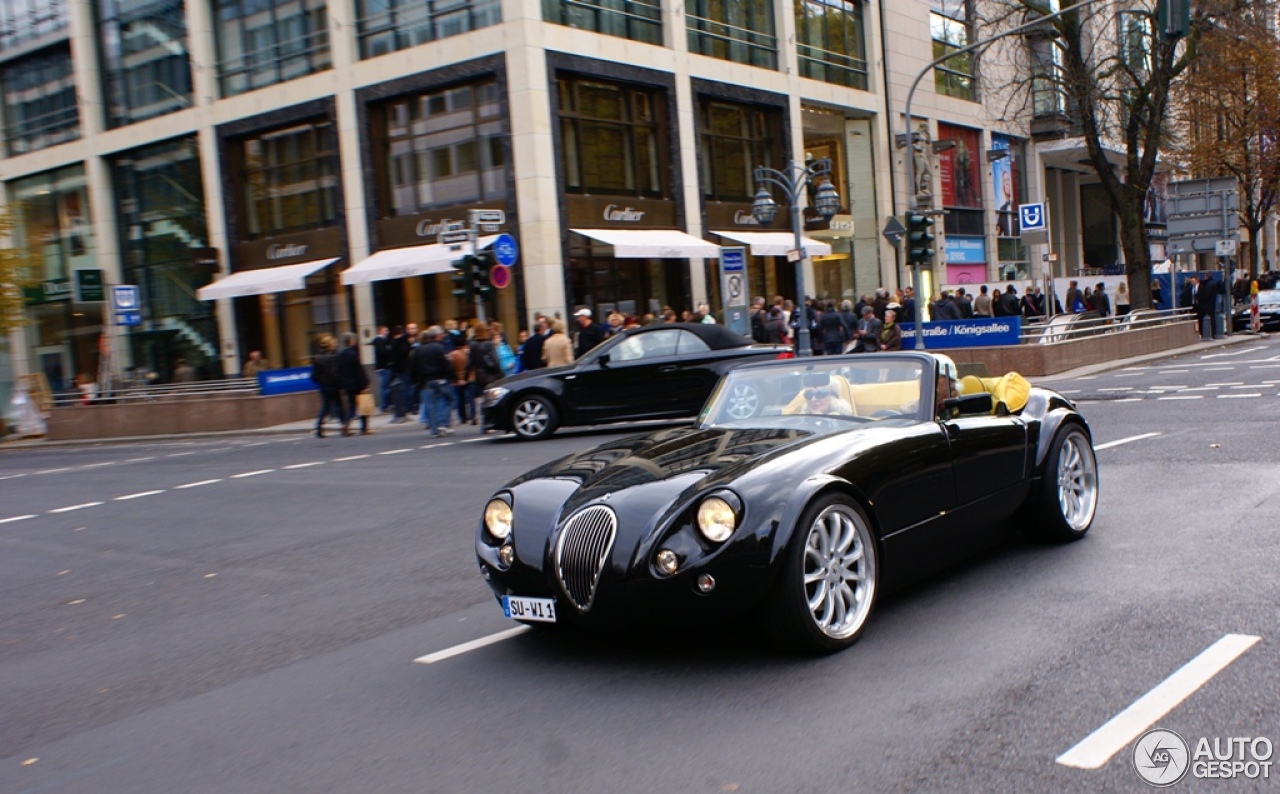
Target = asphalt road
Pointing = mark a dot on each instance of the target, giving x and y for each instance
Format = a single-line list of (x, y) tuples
[(244, 615)]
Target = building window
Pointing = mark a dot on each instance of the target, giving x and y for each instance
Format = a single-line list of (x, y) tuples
[(951, 27), (638, 20), (830, 41), (1047, 95), (39, 101), (23, 21), (261, 43), (733, 30), (146, 70), (291, 180), (734, 139), (446, 147), (385, 26), (611, 136)]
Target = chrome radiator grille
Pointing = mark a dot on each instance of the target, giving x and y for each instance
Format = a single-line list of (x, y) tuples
[(581, 551)]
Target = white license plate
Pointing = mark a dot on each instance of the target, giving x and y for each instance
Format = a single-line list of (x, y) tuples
[(539, 610)]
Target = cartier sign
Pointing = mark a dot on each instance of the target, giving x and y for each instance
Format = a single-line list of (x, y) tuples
[(288, 249), (403, 231), (628, 214)]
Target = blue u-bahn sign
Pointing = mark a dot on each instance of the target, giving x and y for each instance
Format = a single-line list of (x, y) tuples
[(965, 333)]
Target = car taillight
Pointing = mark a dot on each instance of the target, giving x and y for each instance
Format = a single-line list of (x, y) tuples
[(786, 354)]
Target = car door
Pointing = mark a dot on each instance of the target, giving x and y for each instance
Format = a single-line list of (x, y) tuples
[(627, 380), (988, 455)]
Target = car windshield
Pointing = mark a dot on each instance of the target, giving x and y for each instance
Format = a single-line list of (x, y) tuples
[(825, 393)]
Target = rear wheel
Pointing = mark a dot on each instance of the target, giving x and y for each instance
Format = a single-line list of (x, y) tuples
[(1068, 496), (828, 586), (534, 417)]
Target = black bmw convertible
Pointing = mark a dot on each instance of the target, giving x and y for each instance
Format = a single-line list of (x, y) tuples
[(806, 488)]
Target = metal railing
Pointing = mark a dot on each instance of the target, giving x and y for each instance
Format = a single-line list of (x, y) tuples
[(132, 390), (1070, 327)]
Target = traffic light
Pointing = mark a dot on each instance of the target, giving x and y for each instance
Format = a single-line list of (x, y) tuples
[(462, 285), (1173, 17), (480, 265), (919, 239)]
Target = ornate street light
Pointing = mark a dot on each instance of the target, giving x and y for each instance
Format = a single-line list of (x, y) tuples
[(793, 180)]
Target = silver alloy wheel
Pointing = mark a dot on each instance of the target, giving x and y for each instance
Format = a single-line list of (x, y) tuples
[(531, 417), (839, 571), (744, 401), (1077, 481)]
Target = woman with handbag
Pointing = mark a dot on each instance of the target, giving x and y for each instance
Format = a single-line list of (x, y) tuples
[(354, 383)]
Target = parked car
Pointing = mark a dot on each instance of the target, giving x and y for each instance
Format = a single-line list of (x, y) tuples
[(806, 489), (1268, 312), (654, 372)]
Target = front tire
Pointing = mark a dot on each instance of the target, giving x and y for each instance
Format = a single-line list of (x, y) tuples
[(1068, 496), (534, 417), (829, 585)]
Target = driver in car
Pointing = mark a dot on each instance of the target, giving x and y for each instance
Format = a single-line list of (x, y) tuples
[(820, 398)]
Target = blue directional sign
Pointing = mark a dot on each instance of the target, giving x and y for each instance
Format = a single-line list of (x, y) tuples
[(126, 305), (1032, 218), (505, 250)]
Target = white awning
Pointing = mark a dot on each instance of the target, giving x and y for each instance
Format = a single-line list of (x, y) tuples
[(417, 260), (775, 243), (653, 243), (262, 281)]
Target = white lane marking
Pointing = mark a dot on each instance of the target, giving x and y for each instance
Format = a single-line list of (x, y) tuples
[(1228, 355), (96, 465), (251, 473), (1169, 388), (1264, 366), (1087, 377), (433, 446), (1237, 396), (15, 518), (350, 457), (1098, 747), (1128, 374), (140, 460), (196, 484), (1118, 388), (472, 440), (458, 650), (1129, 400), (1231, 383), (1068, 391), (395, 452), (1200, 388), (1174, 371), (1120, 441), (1184, 397), (1251, 386), (258, 444), (305, 465), (138, 495), (75, 507), (179, 454), (13, 476), (1220, 369), (54, 471)]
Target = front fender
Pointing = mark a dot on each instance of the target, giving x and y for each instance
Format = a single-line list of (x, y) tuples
[(784, 522), (1050, 424)]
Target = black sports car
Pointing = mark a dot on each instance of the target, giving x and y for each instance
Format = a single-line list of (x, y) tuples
[(654, 372), (806, 488)]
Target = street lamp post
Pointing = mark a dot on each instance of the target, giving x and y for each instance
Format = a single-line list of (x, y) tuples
[(793, 180)]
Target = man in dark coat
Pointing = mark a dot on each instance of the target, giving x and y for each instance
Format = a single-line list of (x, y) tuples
[(381, 360), (351, 381), (835, 334), (586, 334), (531, 352), (398, 366), (433, 376)]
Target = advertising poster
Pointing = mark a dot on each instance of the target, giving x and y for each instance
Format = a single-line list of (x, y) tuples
[(958, 167), (1004, 181)]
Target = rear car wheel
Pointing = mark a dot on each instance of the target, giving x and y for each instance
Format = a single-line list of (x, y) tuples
[(1068, 496), (534, 417), (828, 586)]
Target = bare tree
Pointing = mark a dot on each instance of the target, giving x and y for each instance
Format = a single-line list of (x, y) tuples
[(1115, 74), (1229, 113)]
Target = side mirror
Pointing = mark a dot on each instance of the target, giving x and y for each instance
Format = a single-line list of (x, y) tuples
[(603, 359), (970, 404)]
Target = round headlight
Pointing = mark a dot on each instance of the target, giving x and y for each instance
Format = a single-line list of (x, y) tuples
[(497, 518), (716, 520)]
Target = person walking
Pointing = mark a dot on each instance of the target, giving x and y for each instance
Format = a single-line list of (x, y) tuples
[(463, 394), (433, 377), (1101, 301), (835, 333), (557, 350), (1122, 299), (324, 373), (982, 303), (381, 360), (352, 380), (398, 369)]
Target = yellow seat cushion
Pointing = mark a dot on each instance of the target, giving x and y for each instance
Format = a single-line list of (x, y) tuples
[(1011, 389)]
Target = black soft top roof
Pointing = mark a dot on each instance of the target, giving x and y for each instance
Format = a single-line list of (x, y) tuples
[(716, 336)]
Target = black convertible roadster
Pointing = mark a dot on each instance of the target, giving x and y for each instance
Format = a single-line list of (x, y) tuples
[(805, 489)]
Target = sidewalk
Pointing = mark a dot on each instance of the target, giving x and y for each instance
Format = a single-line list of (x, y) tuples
[(382, 424)]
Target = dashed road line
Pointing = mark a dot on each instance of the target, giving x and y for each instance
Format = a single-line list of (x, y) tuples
[(179, 454), (1183, 397), (75, 507), (96, 465), (1232, 383), (141, 460), (1118, 388), (350, 457), (458, 650), (395, 451), (1237, 396), (1174, 371), (54, 471), (13, 476), (306, 465), (242, 475), (1129, 400), (138, 495), (1220, 369), (1098, 747), (11, 519), (1120, 441), (1264, 366), (197, 484)]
